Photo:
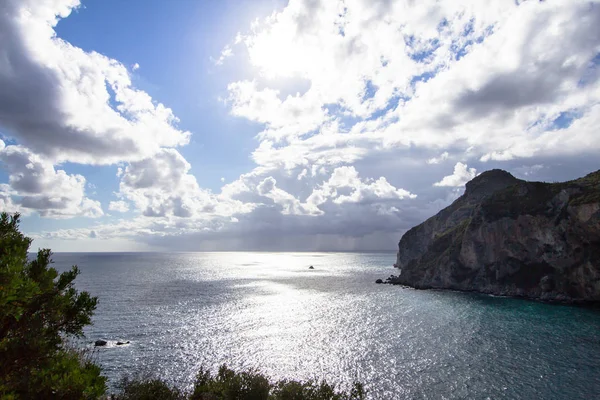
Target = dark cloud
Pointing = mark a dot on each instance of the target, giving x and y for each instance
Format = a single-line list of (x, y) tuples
[(267, 229)]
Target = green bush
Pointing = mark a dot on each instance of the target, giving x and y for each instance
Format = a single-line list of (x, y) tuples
[(147, 389), (228, 384), (310, 390), (39, 310)]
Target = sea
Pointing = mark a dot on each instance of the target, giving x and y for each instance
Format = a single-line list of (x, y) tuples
[(271, 312)]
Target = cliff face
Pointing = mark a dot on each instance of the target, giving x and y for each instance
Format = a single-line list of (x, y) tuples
[(506, 236)]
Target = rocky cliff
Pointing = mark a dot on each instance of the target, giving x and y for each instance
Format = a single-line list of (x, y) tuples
[(507, 236)]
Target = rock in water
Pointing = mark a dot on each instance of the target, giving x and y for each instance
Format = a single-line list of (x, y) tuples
[(378, 281), (122, 343), (100, 343), (311, 267), (510, 237)]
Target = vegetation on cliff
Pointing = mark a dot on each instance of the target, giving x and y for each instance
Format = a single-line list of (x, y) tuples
[(531, 198)]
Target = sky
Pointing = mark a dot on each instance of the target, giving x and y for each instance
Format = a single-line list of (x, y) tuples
[(266, 125)]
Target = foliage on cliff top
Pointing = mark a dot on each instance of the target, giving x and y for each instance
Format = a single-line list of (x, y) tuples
[(590, 179), (534, 198), (590, 189), (525, 198), (39, 310)]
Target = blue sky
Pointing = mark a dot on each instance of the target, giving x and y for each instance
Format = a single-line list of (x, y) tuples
[(274, 125)]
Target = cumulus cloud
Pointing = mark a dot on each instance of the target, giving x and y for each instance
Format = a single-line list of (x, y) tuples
[(303, 174), (289, 204), (135, 67), (55, 97), (6, 201), (346, 179), (461, 175), (370, 210), (119, 206), (284, 119), (436, 160), (162, 186), (34, 184)]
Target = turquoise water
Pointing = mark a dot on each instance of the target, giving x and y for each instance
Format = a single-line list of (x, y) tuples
[(269, 311)]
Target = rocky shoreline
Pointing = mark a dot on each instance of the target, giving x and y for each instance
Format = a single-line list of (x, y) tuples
[(558, 300)]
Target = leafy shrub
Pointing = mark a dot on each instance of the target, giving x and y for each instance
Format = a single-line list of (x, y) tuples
[(295, 390), (147, 389), (228, 384)]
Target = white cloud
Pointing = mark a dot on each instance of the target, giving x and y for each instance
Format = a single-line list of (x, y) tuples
[(303, 174), (162, 186), (461, 175), (119, 206), (289, 204), (55, 100), (346, 179), (436, 160), (135, 67), (225, 53), (6, 201), (363, 207), (284, 119), (34, 184)]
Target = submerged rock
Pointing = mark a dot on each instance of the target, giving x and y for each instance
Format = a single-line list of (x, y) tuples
[(510, 237), (100, 342)]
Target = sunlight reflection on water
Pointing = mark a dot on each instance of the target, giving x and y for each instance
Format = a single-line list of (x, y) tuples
[(269, 311)]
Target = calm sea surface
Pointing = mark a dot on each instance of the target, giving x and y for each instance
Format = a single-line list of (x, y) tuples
[(269, 311)]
